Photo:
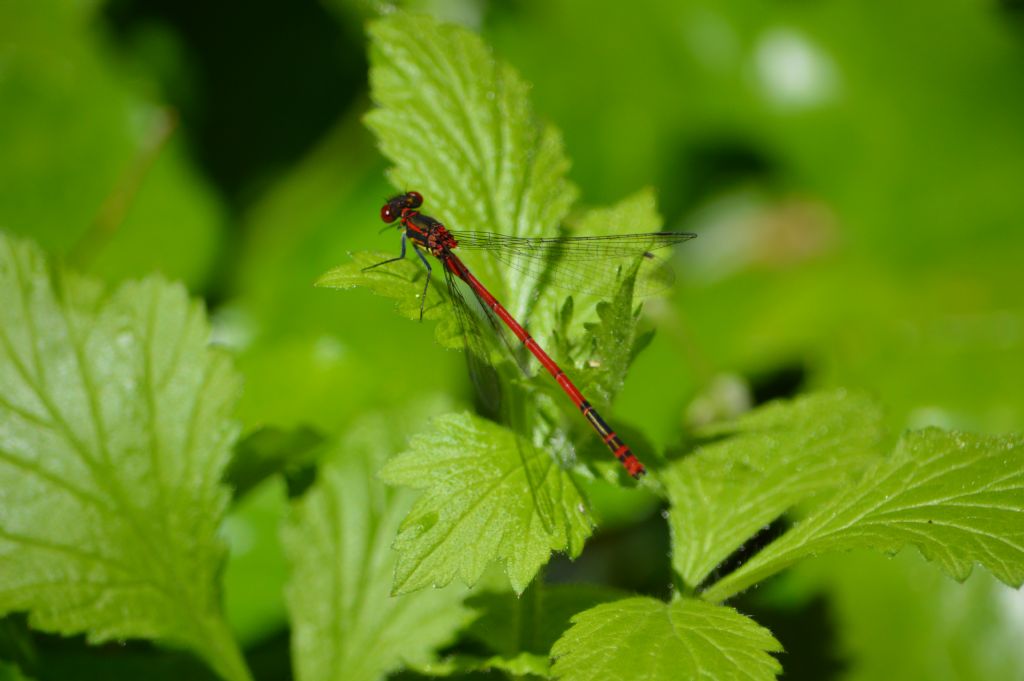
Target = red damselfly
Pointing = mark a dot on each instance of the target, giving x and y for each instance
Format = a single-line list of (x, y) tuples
[(587, 260)]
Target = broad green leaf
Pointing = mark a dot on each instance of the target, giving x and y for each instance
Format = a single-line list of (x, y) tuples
[(643, 639), (345, 622), (402, 281), (488, 495), (114, 433), (958, 498), (766, 462), (457, 124)]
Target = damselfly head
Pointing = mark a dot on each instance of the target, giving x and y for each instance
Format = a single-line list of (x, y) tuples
[(392, 210)]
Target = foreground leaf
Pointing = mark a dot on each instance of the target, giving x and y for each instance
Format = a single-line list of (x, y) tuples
[(345, 623), (458, 127), (489, 495), (643, 639), (114, 432), (959, 498), (770, 460)]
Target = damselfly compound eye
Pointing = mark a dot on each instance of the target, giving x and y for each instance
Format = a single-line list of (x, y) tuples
[(386, 214), (415, 199)]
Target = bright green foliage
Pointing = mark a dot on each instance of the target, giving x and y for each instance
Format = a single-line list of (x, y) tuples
[(489, 495), (767, 461), (397, 280), (642, 639), (115, 430), (345, 623), (600, 336), (958, 498), (402, 281), (458, 127), (636, 213), (611, 343)]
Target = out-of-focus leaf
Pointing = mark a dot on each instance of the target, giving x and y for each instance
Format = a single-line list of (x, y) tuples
[(765, 462), (10, 672), (92, 168), (116, 431), (957, 497), (643, 639), (488, 495), (271, 450), (890, 615), (345, 623), (255, 572)]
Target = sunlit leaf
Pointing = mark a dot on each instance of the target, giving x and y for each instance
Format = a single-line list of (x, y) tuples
[(765, 462), (488, 495), (642, 639), (958, 498), (457, 124), (115, 431)]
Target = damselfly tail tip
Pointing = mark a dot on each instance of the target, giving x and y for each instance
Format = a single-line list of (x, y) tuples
[(634, 467)]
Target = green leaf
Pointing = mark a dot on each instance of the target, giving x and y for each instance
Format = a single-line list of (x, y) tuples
[(959, 498), (345, 623), (115, 430), (599, 335), (402, 281), (396, 280), (768, 461), (520, 629), (643, 639), (489, 495), (457, 124)]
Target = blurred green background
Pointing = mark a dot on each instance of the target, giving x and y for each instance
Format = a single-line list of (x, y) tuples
[(854, 170)]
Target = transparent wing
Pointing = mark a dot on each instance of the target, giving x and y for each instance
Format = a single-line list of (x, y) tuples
[(587, 264), (478, 359)]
